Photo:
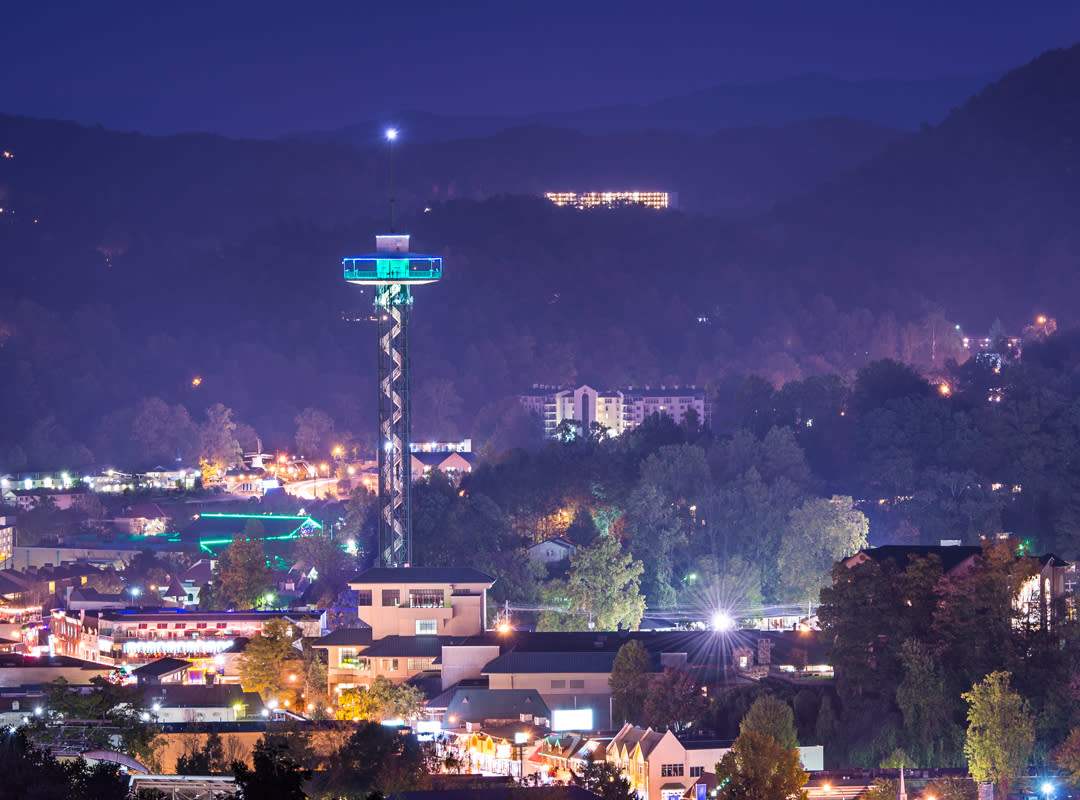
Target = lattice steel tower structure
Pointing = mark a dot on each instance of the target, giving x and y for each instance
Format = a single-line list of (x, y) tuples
[(393, 270)]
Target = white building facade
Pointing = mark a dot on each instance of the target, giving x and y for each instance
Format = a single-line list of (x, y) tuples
[(618, 410)]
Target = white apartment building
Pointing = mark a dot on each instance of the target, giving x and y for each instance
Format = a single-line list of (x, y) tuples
[(617, 410)]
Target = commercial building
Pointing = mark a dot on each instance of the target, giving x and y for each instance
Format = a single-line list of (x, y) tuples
[(134, 637), (617, 410), (408, 614)]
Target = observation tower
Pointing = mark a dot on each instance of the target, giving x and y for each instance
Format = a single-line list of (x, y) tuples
[(393, 270)]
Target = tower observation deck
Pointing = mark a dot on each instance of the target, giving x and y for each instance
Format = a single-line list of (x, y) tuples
[(393, 270)]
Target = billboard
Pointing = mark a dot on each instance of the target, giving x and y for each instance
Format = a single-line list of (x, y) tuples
[(572, 719)]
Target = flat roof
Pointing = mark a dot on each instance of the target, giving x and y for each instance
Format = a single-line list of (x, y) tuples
[(422, 575)]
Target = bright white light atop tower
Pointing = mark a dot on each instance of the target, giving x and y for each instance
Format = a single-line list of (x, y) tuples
[(391, 134), (722, 621)]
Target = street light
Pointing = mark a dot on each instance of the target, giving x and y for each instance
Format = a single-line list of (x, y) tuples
[(521, 738), (723, 622)]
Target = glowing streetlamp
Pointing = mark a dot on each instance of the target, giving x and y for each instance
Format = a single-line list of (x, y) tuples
[(723, 622)]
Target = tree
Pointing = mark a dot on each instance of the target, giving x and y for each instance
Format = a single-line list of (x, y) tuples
[(757, 768), (629, 681), (275, 774), (314, 432), (118, 707), (600, 592), (242, 576), (820, 533), (218, 447), (381, 701), (375, 758), (771, 716), (673, 700), (206, 760), (604, 779), (1000, 734), (264, 664), (32, 772), (923, 696), (1066, 757)]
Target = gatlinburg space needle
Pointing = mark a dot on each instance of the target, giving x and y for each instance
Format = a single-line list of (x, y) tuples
[(393, 270)]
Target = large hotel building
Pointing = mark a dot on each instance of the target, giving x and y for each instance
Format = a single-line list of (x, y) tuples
[(617, 410), (650, 199)]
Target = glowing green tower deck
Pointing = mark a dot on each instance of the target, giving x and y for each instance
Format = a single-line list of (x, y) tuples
[(393, 270)]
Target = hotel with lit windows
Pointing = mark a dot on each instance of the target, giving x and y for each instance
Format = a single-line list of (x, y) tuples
[(617, 410), (650, 199), (134, 637)]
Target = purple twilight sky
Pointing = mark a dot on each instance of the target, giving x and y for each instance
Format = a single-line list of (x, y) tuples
[(266, 68)]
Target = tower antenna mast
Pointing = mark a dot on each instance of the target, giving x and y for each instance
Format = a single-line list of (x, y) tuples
[(393, 270)]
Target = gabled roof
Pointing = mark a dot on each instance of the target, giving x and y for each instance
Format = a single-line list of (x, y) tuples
[(161, 668), (144, 511), (346, 637), (558, 540), (219, 695), (521, 663), (90, 595), (649, 741), (476, 704), (951, 556), (409, 646), (198, 573), (441, 575)]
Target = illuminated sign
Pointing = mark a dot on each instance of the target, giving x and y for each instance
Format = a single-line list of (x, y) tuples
[(183, 646), (572, 719)]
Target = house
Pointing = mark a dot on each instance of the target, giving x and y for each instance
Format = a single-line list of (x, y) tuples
[(143, 519), (1035, 599), (64, 499), (83, 598), (507, 749), (474, 707), (663, 765), (195, 577), (552, 551), (164, 670), (454, 464), (173, 703)]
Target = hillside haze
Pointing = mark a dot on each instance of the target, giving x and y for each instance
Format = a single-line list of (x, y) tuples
[(885, 102), (156, 260)]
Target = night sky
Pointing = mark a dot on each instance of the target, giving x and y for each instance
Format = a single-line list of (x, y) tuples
[(266, 68)]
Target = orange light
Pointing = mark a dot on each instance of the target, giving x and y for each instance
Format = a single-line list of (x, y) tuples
[(1041, 319), (196, 381), (945, 389)]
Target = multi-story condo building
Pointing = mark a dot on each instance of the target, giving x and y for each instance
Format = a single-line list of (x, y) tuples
[(408, 613), (617, 410)]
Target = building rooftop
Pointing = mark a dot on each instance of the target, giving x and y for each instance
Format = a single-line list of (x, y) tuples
[(346, 637), (476, 704), (440, 575), (951, 556), (161, 668), (409, 646), (520, 662)]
